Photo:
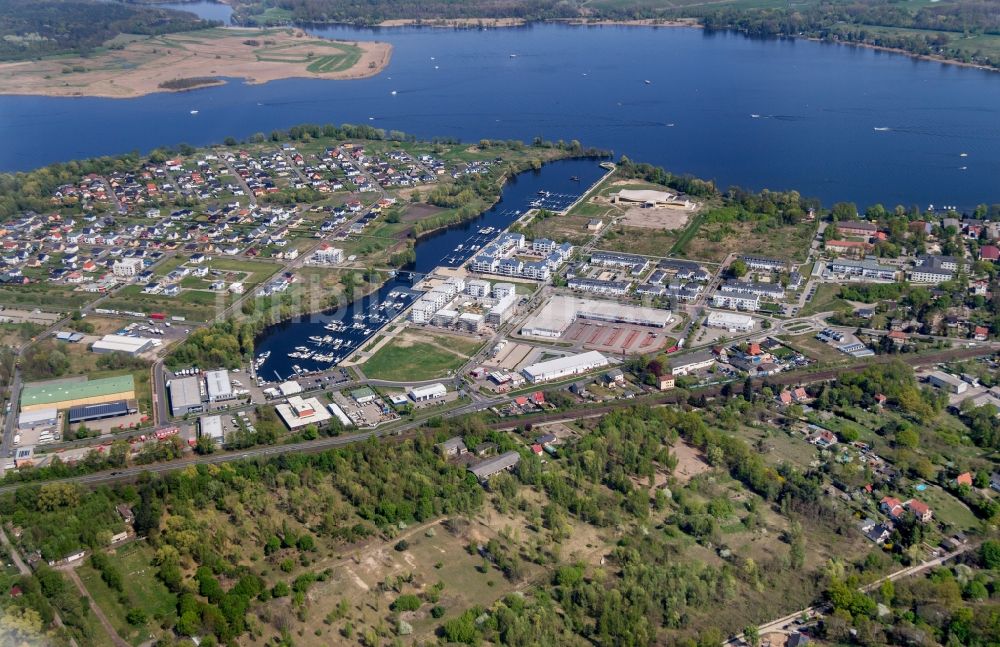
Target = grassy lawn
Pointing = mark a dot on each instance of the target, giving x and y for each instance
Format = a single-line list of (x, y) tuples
[(826, 298), (713, 241), (43, 295), (414, 357), (809, 346), (141, 590), (948, 509)]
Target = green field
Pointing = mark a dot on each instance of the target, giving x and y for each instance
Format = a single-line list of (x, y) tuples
[(414, 357), (827, 298), (141, 590)]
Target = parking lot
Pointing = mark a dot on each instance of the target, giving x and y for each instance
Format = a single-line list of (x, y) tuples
[(615, 338)]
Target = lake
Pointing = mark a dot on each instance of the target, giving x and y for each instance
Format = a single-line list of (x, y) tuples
[(835, 122), (206, 10)]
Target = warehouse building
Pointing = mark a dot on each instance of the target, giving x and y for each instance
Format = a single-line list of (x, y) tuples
[(299, 412), (428, 392), (947, 382), (730, 321), (37, 419), (554, 369), (219, 387), (211, 427), (63, 394), (122, 344), (185, 396), (364, 395), (91, 412), (339, 414)]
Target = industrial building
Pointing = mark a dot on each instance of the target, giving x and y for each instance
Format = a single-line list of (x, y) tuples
[(364, 395), (122, 344), (554, 369), (561, 311), (219, 387), (211, 427), (91, 412), (63, 394), (428, 392), (339, 414), (730, 321), (185, 396), (299, 412), (947, 382), (38, 418)]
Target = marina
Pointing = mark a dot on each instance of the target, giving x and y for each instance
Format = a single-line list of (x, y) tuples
[(320, 341)]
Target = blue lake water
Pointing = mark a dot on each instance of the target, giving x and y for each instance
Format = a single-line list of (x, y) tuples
[(361, 320), (817, 106), (203, 9)]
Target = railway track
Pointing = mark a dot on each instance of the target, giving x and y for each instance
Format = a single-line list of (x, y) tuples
[(413, 429)]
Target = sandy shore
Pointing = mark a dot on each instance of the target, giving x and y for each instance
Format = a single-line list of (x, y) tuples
[(155, 64)]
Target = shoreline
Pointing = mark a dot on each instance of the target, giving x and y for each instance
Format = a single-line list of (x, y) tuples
[(895, 50), (194, 56)]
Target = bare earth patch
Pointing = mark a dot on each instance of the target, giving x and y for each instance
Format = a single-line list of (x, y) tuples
[(657, 217), (196, 59), (689, 462)]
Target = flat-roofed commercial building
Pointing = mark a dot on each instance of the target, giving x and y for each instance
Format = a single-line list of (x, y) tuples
[(38, 418), (63, 394), (730, 321), (947, 382), (185, 396), (428, 392), (90, 412), (561, 311), (299, 412), (554, 369), (219, 387), (211, 427), (122, 344)]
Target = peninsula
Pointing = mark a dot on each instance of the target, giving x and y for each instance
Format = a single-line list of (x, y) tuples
[(138, 66)]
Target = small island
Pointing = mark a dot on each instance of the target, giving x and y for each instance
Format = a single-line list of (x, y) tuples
[(135, 67)]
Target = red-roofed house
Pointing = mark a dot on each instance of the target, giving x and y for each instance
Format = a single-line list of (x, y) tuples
[(922, 511), (785, 397), (981, 333), (521, 400), (800, 395), (880, 399), (898, 337), (538, 397), (536, 449), (891, 506), (965, 478), (989, 253)]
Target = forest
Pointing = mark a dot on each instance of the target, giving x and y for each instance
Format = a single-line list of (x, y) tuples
[(33, 28), (944, 23)]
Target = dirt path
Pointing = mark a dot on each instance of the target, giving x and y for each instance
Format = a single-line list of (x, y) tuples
[(108, 627)]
